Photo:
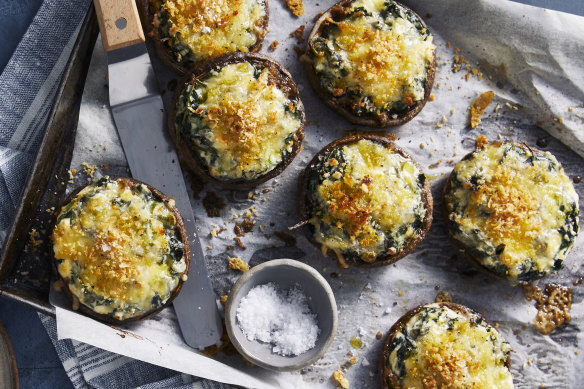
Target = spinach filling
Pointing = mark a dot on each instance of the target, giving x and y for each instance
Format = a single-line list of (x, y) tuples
[(317, 208), (171, 259), (356, 100), (404, 345), (192, 124), (180, 51), (491, 256)]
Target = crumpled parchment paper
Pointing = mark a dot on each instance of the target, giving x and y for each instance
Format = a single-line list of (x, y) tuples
[(531, 58)]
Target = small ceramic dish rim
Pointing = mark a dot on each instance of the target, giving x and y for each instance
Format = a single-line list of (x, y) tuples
[(253, 278)]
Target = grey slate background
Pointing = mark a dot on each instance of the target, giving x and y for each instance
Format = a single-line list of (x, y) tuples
[(38, 364)]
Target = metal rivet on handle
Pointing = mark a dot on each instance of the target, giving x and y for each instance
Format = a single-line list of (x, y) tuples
[(121, 23)]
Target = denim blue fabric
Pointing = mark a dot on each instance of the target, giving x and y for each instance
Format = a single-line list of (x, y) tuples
[(28, 87)]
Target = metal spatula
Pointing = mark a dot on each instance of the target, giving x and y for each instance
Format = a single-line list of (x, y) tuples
[(140, 119)]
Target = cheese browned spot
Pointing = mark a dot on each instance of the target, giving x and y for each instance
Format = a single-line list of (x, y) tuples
[(516, 212), (241, 124), (442, 348), (377, 55), (201, 29), (118, 248), (365, 200)]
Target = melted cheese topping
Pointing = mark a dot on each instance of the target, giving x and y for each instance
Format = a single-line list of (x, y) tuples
[(113, 248), (513, 207), (213, 27), (377, 200), (249, 123), (387, 58), (441, 348)]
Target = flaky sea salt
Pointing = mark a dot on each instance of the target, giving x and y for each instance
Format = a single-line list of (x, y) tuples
[(282, 319)]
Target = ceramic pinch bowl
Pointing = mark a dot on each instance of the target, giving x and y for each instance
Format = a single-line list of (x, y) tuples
[(286, 274)]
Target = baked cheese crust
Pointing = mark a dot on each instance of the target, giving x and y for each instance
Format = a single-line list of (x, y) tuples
[(374, 58), (118, 248), (365, 200), (440, 347), (513, 210), (196, 30), (238, 121)]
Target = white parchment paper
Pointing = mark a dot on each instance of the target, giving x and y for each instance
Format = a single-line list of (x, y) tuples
[(531, 58)]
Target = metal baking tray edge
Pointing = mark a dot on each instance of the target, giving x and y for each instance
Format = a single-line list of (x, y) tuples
[(43, 181)]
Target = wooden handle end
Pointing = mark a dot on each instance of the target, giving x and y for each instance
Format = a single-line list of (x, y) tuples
[(119, 23)]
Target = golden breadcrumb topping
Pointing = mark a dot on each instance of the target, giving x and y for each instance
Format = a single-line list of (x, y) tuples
[(251, 122), (213, 27), (112, 246)]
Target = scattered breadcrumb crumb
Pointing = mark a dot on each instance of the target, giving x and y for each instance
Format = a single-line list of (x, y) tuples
[(378, 335), (216, 232), (432, 97), (71, 173), (299, 33), (237, 263), (34, 242), (553, 306), (88, 169), (296, 6), (223, 299), (352, 360), (274, 45), (478, 107), (339, 376)]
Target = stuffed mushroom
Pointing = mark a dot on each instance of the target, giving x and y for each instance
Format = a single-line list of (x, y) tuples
[(511, 210), (372, 61), (121, 249), (444, 345), (365, 200), (237, 120), (187, 32)]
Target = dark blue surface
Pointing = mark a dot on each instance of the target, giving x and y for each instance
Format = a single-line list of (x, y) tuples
[(39, 366), (15, 16)]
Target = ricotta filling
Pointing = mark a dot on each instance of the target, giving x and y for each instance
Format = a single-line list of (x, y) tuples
[(377, 54), (518, 210), (240, 124), (201, 29), (369, 201), (442, 348), (118, 248)]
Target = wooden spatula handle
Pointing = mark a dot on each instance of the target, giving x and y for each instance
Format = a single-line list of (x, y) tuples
[(119, 23)]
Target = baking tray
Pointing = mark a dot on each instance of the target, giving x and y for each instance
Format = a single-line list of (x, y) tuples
[(24, 262)]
